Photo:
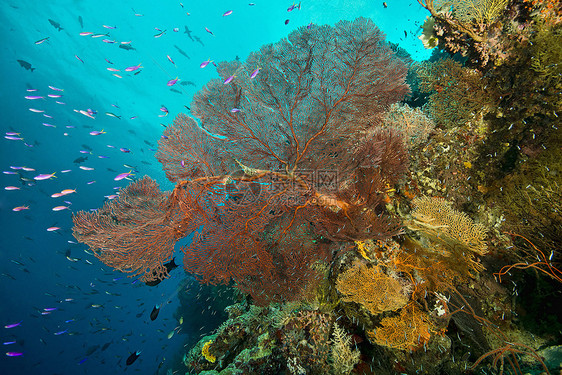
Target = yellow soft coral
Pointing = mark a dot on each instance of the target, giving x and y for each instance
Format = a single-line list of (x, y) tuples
[(205, 352), (372, 288), (436, 218), (409, 330)]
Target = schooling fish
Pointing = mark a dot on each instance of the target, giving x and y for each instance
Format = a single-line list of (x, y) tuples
[(42, 176), (127, 47), (133, 357), (55, 24), (42, 40), (182, 52), (24, 64), (155, 312), (133, 68)]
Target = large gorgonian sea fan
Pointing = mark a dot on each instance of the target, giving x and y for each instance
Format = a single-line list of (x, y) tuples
[(305, 112), (317, 85)]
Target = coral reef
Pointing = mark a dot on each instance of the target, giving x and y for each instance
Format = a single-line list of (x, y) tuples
[(362, 234)]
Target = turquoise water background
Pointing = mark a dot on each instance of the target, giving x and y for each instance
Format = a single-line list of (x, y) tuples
[(41, 269)]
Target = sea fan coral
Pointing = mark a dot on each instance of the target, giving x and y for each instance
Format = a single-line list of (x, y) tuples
[(372, 288), (436, 217)]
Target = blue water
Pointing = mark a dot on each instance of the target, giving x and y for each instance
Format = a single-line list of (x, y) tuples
[(41, 269)]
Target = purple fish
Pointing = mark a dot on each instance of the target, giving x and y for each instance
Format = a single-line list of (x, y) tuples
[(121, 176), (97, 132), (41, 177), (33, 97), (60, 332), (14, 354), (133, 68), (13, 325), (172, 81), (227, 13), (11, 138), (234, 110), (254, 73), (8, 342), (293, 7), (54, 96), (228, 80), (125, 150), (55, 88), (205, 63), (79, 59)]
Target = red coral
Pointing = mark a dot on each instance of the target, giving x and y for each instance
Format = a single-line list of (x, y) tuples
[(135, 232), (282, 160)]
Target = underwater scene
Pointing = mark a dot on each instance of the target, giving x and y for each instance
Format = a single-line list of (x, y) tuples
[(281, 187)]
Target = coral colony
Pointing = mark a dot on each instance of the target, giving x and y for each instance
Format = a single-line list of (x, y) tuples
[(361, 230)]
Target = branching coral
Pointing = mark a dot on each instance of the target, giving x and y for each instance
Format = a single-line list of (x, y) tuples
[(344, 358)]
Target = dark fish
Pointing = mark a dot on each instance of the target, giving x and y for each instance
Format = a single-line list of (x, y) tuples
[(154, 312), (405, 34), (190, 83), (86, 147), (127, 47), (188, 32), (287, 21), (169, 267), (92, 349), (79, 160), (26, 65), (106, 345), (384, 4), (182, 51), (81, 21), (176, 91), (133, 357), (55, 24), (198, 40)]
